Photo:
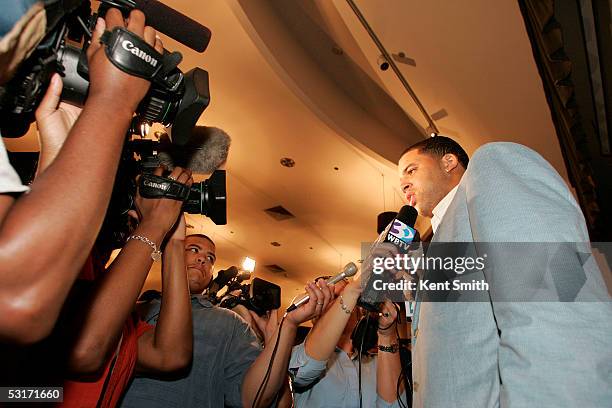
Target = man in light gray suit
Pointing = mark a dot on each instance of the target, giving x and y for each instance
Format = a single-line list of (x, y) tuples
[(542, 337)]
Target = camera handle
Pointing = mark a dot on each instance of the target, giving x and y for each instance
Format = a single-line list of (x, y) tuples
[(133, 55), (152, 186)]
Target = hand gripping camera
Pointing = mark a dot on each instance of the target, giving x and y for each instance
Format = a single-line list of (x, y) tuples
[(175, 98)]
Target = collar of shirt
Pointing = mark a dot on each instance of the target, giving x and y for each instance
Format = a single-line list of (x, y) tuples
[(201, 300), (440, 209), (351, 356)]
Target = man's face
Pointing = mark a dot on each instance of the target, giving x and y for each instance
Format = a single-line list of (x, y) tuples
[(423, 180), (199, 259)]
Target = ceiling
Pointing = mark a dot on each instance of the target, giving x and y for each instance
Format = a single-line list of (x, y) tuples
[(300, 79)]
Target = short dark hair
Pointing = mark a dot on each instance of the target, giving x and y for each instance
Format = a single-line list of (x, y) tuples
[(202, 236), (439, 146)]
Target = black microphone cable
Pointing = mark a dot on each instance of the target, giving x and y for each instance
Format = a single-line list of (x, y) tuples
[(359, 357), (402, 375), (266, 378)]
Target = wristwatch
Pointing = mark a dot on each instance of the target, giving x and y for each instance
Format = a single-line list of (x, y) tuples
[(393, 348)]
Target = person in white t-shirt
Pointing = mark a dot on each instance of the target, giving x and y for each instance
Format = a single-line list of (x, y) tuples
[(9, 180)]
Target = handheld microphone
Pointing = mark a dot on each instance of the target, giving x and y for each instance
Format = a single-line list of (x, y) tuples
[(349, 270), (174, 24), (206, 150), (401, 233)]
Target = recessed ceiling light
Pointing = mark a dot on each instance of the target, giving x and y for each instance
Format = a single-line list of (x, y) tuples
[(287, 162)]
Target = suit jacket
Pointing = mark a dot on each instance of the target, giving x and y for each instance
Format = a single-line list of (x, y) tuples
[(542, 336)]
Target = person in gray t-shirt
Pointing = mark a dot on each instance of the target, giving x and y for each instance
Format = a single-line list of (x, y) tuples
[(225, 349)]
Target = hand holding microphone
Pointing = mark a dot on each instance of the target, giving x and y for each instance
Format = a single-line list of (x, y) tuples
[(317, 299), (349, 270), (318, 296)]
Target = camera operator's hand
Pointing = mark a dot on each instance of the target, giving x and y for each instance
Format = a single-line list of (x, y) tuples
[(266, 324), (106, 80), (160, 214), (54, 120)]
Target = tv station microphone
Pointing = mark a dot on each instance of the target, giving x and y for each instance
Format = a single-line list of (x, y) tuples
[(401, 233), (349, 270)]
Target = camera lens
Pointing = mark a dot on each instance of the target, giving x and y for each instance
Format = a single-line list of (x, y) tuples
[(209, 198)]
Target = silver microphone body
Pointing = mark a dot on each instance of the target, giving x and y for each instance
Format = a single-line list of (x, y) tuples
[(349, 270)]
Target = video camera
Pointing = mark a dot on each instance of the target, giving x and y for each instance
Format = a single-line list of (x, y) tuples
[(140, 158), (175, 98), (259, 296)]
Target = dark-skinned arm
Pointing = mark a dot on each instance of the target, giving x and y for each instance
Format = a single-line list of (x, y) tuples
[(115, 295), (68, 200), (169, 346)]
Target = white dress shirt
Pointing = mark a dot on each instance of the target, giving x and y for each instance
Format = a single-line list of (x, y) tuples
[(440, 209)]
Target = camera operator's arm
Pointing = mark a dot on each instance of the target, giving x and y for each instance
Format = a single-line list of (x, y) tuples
[(116, 293), (321, 341), (169, 346), (62, 204), (319, 298), (388, 364)]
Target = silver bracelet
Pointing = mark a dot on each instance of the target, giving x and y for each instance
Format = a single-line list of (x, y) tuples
[(156, 254), (343, 306)]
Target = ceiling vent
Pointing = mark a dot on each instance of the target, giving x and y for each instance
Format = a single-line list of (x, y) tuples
[(279, 213), (274, 268)]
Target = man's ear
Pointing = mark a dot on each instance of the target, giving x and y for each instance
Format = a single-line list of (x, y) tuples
[(449, 162)]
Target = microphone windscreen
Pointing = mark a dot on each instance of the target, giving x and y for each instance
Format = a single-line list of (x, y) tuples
[(205, 152), (350, 269), (174, 24)]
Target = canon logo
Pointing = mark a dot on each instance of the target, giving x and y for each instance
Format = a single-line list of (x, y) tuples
[(128, 46), (154, 185)]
